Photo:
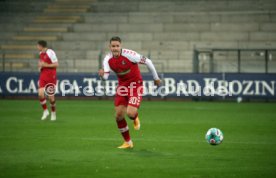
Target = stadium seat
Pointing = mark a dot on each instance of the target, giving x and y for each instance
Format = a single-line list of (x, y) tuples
[(19, 56), (17, 47), (32, 37), (50, 29)]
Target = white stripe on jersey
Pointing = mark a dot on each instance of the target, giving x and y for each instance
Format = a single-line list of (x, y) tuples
[(52, 55)]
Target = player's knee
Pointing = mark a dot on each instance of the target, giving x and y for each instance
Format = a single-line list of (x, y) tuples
[(131, 113), (119, 115)]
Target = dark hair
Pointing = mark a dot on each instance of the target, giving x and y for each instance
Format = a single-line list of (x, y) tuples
[(42, 43), (115, 38)]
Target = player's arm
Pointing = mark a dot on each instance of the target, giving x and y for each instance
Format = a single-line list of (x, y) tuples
[(138, 58), (152, 69), (105, 71)]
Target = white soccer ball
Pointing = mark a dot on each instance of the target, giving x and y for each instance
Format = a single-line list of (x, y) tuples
[(214, 136)]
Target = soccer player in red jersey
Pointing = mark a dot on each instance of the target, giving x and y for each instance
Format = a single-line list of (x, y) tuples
[(124, 63), (47, 80)]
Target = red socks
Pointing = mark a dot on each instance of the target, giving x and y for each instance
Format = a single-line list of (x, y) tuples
[(43, 103), (53, 106), (122, 125)]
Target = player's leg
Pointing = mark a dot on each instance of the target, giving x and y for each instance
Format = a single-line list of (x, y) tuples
[(43, 102), (132, 113), (134, 101), (53, 107), (120, 109)]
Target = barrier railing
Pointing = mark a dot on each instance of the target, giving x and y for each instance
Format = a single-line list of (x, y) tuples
[(234, 60)]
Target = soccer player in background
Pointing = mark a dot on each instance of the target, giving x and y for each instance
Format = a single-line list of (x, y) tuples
[(47, 80), (124, 63)]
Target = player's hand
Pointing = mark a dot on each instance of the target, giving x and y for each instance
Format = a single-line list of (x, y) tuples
[(41, 64), (157, 82), (101, 72)]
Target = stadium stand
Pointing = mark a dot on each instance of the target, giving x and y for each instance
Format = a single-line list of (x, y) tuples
[(167, 31)]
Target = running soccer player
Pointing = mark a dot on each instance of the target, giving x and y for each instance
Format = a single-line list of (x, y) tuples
[(124, 63), (47, 80)]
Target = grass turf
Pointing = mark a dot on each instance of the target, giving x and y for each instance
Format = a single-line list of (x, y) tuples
[(82, 142)]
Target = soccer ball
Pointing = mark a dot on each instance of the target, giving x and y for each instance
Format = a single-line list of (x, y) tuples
[(214, 136)]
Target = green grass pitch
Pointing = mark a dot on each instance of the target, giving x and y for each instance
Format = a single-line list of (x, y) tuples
[(82, 142)]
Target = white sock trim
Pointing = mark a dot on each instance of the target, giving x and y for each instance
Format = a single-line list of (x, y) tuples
[(129, 142), (122, 130)]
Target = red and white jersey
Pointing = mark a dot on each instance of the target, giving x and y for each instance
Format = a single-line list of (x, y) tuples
[(48, 56), (126, 67)]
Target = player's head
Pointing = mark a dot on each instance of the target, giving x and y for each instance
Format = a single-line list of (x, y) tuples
[(115, 46), (41, 44)]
